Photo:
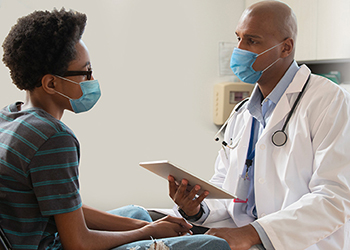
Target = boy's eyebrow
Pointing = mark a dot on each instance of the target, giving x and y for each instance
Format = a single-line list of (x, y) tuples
[(87, 64)]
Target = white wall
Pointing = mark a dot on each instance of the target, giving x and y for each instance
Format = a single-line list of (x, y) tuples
[(157, 62)]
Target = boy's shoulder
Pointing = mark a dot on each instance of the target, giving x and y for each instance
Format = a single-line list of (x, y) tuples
[(35, 120)]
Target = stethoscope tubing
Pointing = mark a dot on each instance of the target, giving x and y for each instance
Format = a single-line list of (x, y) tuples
[(279, 135), (229, 118), (295, 104)]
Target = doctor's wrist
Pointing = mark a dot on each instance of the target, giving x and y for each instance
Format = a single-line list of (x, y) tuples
[(252, 234), (192, 218)]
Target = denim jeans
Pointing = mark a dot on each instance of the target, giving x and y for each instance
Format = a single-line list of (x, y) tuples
[(192, 242)]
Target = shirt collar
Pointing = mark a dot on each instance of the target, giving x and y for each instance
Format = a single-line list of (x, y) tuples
[(283, 84), (256, 98)]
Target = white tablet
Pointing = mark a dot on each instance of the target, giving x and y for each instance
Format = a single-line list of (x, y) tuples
[(165, 168)]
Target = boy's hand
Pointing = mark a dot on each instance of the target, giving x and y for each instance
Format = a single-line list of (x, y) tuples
[(168, 227)]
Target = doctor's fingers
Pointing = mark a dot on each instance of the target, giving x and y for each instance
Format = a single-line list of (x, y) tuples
[(181, 195), (194, 191), (201, 197), (182, 190), (191, 204), (172, 186)]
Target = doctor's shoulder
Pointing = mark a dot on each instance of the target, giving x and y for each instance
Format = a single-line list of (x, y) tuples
[(322, 92)]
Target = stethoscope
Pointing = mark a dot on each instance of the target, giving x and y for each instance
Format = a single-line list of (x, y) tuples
[(279, 138)]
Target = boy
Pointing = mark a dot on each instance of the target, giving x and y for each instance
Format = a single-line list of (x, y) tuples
[(40, 204)]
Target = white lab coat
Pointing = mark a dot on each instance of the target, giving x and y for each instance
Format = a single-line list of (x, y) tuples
[(302, 188)]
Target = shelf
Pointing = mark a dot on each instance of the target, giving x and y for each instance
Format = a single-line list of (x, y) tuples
[(333, 61), (326, 66)]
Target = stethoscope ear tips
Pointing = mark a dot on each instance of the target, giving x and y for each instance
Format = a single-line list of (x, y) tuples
[(217, 139)]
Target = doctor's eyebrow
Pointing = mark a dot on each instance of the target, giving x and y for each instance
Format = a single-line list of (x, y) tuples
[(248, 36)]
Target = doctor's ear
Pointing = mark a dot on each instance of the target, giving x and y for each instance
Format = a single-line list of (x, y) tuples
[(288, 47), (48, 83)]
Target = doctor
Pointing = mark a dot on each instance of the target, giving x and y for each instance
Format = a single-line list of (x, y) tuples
[(290, 195)]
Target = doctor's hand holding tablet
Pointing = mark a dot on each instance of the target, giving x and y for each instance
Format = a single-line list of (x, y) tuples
[(186, 198), (186, 189)]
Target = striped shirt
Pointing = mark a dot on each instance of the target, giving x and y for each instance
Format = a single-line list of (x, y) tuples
[(39, 158)]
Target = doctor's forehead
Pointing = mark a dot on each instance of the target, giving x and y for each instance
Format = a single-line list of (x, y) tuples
[(257, 26), (271, 18)]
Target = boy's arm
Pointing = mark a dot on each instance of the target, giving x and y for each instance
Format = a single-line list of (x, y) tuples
[(74, 233), (99, 220)]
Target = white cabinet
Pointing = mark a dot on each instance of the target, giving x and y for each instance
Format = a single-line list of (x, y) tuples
[(333, 29), (323, 28), (306, 45)]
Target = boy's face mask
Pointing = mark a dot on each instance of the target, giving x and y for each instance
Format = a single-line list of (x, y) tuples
[(91, 94), (242, 64)]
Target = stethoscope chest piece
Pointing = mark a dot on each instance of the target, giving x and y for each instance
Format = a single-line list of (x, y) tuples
[(279, 138)]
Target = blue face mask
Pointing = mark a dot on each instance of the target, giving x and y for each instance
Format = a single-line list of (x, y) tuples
[(91, 94), (242, 64)]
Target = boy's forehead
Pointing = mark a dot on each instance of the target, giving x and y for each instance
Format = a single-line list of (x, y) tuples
[(82, 59)]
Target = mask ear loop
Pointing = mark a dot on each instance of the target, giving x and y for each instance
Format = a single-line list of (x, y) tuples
[(60, 92), (63, 78), (274, 61), (270, 49), (271, 65), (63, 95)]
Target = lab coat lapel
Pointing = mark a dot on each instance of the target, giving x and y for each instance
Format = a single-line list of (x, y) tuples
[(237, 155), (242, 146), (285, 104), (237, 207)]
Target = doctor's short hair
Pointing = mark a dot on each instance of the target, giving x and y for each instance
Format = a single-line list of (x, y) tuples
[(41, 43)]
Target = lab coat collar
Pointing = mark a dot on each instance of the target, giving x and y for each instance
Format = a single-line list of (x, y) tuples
[(299, 80), (285, 104)]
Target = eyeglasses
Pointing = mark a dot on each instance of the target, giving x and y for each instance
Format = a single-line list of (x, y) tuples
[(88, 73)]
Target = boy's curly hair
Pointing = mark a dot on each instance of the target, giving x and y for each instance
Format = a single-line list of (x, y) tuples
[(42, 43)]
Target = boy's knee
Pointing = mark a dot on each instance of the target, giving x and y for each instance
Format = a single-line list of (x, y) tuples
[(133, 211), (138, 212)]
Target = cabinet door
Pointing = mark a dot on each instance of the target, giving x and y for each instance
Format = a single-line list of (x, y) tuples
[(306, 14), (333, 33)]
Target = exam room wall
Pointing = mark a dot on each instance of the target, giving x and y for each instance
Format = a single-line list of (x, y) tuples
[(157, 63)]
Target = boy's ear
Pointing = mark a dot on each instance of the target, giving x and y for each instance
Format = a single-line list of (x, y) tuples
[(48, 83)]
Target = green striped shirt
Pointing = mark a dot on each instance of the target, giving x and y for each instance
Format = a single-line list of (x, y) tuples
[(39, 158)]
